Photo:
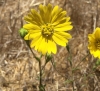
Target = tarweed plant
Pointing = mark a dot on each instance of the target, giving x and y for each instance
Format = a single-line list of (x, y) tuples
[(47, 28), (94, 45)]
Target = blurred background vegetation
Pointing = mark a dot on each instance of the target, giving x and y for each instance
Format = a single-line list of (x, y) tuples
[(73, 71)]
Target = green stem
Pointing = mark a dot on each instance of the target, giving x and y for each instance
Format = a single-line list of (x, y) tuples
[(27, 42), (82, 60), (34, 55), (71, 64), (73, 84), (41, 86), (40, 78), (72, 75)]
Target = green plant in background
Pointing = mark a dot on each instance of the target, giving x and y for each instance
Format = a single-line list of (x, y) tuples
[(94, 48), (97, 64), (73, 68), (45, 29)]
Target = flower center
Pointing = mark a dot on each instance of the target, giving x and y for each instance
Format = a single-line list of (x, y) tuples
[(98, 44), (47, 30)]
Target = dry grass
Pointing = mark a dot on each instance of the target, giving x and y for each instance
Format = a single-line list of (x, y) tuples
[(18, 68)]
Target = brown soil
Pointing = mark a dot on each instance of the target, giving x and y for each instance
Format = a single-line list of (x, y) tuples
[(19, 70)]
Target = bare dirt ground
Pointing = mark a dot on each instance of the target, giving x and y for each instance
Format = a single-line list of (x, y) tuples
[(19, 70)]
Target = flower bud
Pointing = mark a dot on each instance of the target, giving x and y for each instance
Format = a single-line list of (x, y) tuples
[(48, 57), (23, 32)]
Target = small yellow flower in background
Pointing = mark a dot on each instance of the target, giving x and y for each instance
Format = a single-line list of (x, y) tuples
[(94, 43), (47, 28)]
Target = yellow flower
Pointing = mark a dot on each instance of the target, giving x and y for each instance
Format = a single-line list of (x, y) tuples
[(47, 28), (94, 43)]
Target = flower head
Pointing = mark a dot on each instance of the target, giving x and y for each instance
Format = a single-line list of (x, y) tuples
[(94, 43), (47, 28)]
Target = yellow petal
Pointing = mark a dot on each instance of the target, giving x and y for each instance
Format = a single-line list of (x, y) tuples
[(35, 42), (91, 38), (64, 34), (45, 12), (42, 12), (34, 17), (97, 33), (48, 13), (63, 22), (92, 47), (31, 26), (58, 17), (34, 31), (59, 22), (37, 17), (43, 46), (30, 20), (55, 12), (47, 46), (51, 47), (59, 40), (96, 53), (64, 28), (30, 36)]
